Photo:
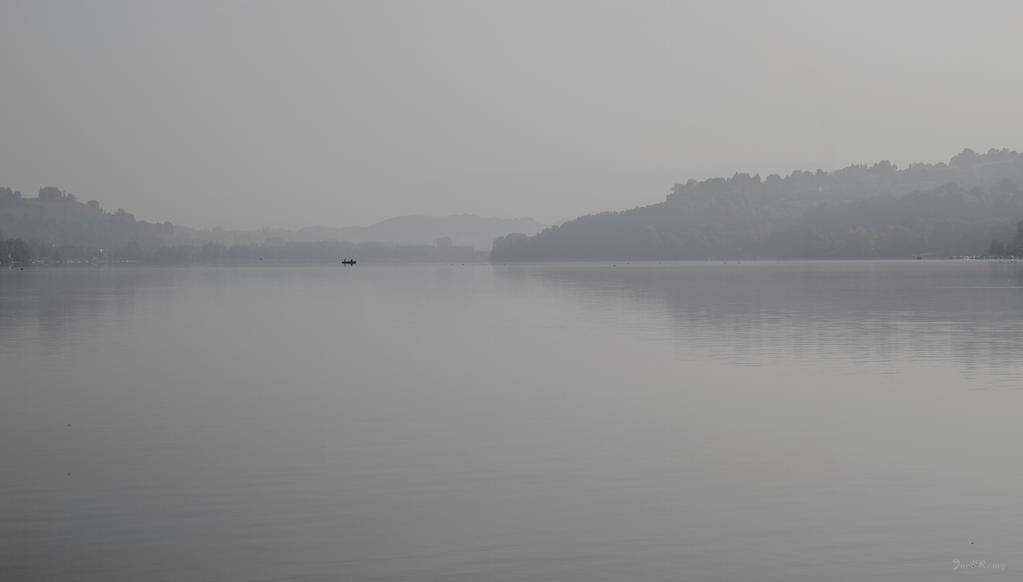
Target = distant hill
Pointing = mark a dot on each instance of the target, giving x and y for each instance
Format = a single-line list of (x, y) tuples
[(57, 223), (463, 229), (877, 211), (56, 228)]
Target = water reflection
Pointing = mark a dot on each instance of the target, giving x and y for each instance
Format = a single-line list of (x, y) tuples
[(55, 306), (882, 313)]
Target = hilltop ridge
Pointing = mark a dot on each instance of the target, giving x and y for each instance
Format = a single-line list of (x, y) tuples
[(57, 228), (861, 211)]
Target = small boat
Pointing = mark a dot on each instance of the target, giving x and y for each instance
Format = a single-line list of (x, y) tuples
[(347, 261)]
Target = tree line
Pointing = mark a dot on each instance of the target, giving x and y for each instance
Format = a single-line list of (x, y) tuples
[(1014, 248), (877, 211), (57, 228), (15, 252)]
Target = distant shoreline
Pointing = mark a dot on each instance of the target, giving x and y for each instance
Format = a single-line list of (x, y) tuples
[(409, 262)]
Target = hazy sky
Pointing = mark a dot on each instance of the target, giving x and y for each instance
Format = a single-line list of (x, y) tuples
[(248, 114)]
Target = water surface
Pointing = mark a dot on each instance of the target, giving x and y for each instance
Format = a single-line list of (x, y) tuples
[(577, 422)]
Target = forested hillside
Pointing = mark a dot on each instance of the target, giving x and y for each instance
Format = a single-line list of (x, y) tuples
[(877, 211), (57, 227)]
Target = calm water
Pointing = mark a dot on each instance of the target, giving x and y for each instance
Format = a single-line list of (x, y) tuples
[(565, 422)]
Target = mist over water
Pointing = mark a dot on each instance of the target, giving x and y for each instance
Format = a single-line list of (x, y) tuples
[(279, 299), (574, 421)]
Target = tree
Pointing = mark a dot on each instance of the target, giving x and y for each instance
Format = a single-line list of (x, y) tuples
[(964, 159), (997, 248), (18, 252), (1015, 247), (9, 197), (50, 194)]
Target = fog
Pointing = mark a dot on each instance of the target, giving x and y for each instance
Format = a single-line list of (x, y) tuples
[(249, 114)]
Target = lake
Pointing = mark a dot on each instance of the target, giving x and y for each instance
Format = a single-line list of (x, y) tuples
[(789, 421)]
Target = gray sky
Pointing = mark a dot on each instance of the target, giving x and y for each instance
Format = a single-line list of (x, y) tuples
[(249, 114)]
